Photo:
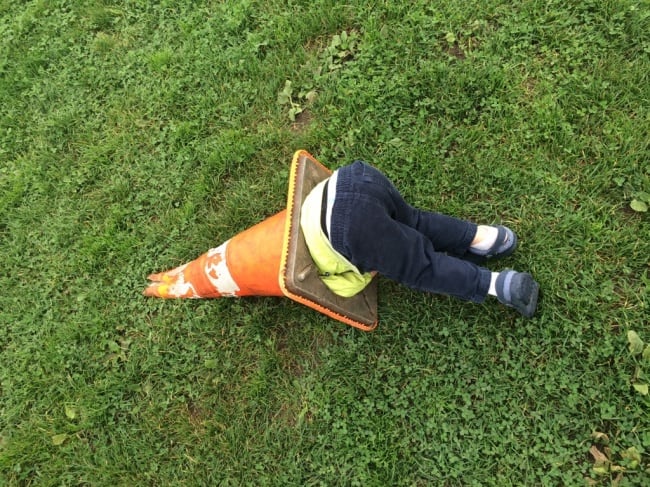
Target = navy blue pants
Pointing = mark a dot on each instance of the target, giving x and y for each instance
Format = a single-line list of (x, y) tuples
[(376, 230)]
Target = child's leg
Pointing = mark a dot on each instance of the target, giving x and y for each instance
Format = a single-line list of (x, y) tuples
[(446, 233), (374, 241), (460, 238)]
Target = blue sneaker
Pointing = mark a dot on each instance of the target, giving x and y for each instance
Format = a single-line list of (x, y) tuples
[(518, 290), (504, 245)]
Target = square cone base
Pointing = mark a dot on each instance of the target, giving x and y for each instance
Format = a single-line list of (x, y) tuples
[(299, 278)]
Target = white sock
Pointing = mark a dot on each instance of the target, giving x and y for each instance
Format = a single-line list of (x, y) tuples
[(488, 237), (493, 284)]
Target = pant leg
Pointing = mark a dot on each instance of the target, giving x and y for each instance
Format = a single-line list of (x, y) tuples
[(366, 230), (447, 233)]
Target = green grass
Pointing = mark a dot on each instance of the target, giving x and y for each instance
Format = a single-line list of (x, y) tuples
[(136, 135)]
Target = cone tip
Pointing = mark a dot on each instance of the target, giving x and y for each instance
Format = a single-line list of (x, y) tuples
[(150, 291)]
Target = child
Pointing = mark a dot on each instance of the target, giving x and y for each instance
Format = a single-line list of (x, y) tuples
[(356, 223)]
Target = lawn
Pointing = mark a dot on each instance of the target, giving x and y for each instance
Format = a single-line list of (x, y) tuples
[(136, 135)]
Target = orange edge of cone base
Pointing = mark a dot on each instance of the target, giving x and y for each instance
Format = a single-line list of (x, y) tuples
[(283, 266)]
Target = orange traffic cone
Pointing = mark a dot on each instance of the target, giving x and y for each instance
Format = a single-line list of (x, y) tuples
[(270, 259), (246, 265)]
